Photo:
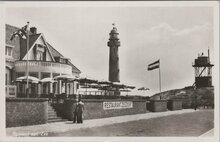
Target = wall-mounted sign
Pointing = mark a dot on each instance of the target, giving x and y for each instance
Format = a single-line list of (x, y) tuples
[(117, 105), (11, 91)]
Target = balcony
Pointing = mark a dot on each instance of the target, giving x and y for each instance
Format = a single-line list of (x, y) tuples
[(43, 66)]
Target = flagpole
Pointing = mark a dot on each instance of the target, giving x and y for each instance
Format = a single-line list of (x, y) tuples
[(27, 67), (159, 76)]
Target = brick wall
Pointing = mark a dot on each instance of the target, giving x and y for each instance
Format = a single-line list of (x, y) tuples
[(174, 104), (94, 109), (157, 105), (21, 112)]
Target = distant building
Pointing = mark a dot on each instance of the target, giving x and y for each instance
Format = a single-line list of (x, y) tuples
[(203, 71), (44, 61)]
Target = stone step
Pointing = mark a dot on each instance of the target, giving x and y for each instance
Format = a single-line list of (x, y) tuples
[(52, 115), (56, 120), (53, 118), (51, 110)]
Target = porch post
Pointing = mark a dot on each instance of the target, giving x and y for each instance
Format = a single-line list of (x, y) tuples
[(66, 87), (39, 85), (51, 85), (60, 87)]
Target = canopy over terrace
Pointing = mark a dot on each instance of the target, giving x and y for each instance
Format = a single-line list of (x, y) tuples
[(125, 90), (144, 89), (122, 87), (24, 79), (64, 83), (47, 84), (47, 80), (22, 82), (65, 77), (102, 86), (87, 83)]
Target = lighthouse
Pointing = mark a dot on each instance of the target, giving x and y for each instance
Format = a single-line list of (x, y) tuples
[(203, 71), (113, 45)]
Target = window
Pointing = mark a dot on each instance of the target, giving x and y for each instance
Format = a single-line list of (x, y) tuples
[(39, 55), (39, 52), (6, 79), (63, 61), (8, 51)]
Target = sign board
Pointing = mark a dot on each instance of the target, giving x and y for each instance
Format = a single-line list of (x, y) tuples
[(11, 91), (117, 105)]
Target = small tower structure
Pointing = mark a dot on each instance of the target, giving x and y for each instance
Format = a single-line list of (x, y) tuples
[(113, 45), (203, 71)]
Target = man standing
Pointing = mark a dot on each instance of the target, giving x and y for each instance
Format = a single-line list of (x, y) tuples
[(75, 112), (195, 104), (80, 108)]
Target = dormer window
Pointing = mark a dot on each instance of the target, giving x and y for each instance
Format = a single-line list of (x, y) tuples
[(61, 60), (40, 49), (39, 55)]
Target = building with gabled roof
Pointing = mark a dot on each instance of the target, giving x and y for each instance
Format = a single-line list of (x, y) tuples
[(43, 61)]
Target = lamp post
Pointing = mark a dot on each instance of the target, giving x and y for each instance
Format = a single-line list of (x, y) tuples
[(27, 67)]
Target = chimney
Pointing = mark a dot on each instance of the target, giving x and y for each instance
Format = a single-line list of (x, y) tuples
[(33, 30)]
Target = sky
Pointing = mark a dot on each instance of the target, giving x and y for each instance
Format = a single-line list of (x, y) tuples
[(175, 35)]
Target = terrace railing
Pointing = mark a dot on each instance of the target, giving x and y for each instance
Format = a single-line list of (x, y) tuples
[(43, 66)]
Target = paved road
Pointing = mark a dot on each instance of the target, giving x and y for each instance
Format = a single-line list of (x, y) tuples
[(186, 124), (209, 133), (63, 128)]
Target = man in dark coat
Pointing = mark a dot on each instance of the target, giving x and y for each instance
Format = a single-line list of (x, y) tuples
[(75, 113), (195, 103), (80, 108)]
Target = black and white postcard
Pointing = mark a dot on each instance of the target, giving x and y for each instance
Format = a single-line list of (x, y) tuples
[(110, 71)]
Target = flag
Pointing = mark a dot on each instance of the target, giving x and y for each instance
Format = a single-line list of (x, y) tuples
[(20, 32), (154, 65)]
